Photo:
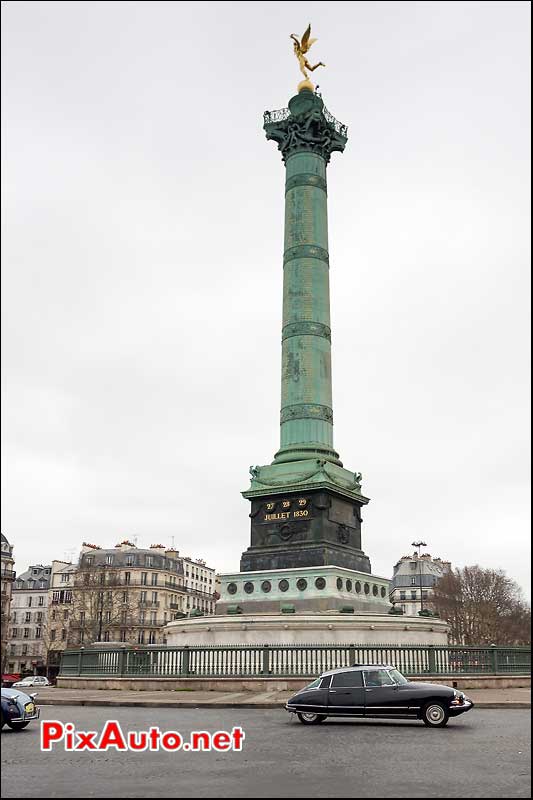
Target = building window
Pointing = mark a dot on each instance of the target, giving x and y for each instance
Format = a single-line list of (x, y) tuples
[(53, 614), (41, 600), (82, 618), (413, 581), (403, 595), (154, 597), (108, 617), (144, 578), (106, 636), (151, 637), (142, 617), (89, 560), (130, 562), (123, 617), (142, 597), (53, 634), (149, 561), (14, 633), (124, 597), (154, 578), (29, 601), (109, 559), (65, 577), (413, 565), (38, 633), (153, 617), (24, 651), (27, 616), (122, 635), (63, 634), (140, 637), (26, 633), (14, 617), (413, 595), (127, 578)]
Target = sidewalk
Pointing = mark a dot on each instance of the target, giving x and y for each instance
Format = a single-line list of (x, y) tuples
[(483, 698)]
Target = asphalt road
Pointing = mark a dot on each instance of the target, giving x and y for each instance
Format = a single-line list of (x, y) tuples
[(482, 754)]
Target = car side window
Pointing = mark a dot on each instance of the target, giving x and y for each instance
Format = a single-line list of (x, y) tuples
[(378, 677), (325, 683), (350, 679)]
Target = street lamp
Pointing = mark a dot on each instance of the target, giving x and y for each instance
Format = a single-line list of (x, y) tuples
[(418, 545)]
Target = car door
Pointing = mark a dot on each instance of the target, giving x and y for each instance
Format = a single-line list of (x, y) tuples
[(346, 695), (382, 695)]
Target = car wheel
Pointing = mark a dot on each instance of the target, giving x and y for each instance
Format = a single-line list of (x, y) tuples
[(308, 718), (435, 715), (17, 726)]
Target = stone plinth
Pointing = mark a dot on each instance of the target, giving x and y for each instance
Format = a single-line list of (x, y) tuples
[(306, 590), (325, 629)]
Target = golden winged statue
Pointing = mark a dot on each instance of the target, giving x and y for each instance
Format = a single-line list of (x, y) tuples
[(300, 50)]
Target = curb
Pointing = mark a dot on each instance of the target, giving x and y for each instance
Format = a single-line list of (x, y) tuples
[(511, 704)]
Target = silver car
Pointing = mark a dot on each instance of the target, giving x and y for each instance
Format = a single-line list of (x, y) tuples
[(31, 680)]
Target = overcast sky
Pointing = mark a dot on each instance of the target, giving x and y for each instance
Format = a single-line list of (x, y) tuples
[(142, 271)]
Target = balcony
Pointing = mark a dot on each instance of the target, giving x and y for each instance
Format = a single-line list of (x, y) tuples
[(8, 574), (149, 603)]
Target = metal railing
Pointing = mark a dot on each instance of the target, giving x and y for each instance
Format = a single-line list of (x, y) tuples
[(290, 660)]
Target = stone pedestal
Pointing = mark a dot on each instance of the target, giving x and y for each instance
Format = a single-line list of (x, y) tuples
[(308, 590), (316, 629)]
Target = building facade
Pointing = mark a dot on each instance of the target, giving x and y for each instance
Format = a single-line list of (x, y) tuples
[(8, 577), (27, 646), (200, 584), (413, 582), (60, 606), (128, 594)]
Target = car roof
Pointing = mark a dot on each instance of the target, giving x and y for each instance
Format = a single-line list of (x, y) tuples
[(355, 668)]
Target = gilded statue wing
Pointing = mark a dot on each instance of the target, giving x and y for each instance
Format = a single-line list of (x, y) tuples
[(306, 40)]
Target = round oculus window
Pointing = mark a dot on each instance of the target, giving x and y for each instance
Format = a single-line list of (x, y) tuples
[(283, 585), (248, 587)]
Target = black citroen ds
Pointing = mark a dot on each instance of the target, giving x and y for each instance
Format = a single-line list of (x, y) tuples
[(376, 690)]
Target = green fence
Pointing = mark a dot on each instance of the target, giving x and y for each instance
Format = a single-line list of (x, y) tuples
[(289, 660)]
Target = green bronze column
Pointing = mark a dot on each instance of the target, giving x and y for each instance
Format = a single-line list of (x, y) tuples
[(305, 506), (306, 136)]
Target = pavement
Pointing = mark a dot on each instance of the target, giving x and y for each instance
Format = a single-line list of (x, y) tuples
[(484, 753), (185, 698)]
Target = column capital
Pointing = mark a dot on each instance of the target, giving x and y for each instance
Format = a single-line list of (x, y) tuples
[(306, 126)]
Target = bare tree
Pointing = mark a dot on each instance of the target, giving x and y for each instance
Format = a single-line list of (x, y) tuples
[(102, 605), (482, 606)]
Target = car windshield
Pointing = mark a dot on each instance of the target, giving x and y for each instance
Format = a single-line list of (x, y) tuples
[(397, 676), (314, 684)]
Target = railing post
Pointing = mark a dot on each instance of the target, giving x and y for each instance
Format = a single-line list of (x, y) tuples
[(351, 655), (185, 660), (121, 661), (266, 660), (80, 661), (494, 655), (431, 659)]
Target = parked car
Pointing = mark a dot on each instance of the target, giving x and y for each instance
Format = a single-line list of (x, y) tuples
[(18, 709), (32, 680), (8, 679), (379, 691)]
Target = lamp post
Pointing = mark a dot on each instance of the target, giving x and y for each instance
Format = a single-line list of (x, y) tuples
[(418, 545)]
